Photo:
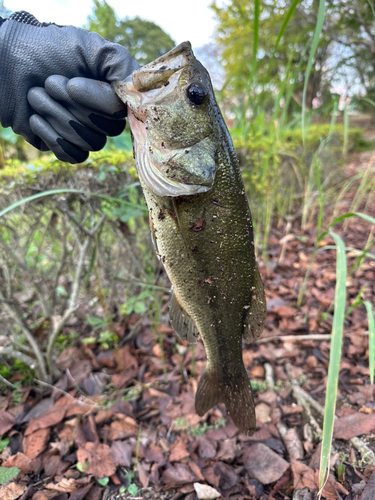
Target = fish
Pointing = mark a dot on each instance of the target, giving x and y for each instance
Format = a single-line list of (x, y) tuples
[(200, 221)]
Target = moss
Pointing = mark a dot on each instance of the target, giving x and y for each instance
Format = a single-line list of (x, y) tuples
[(18, 172)]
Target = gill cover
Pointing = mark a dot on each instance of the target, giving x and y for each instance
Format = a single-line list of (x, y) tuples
[(172, 121)]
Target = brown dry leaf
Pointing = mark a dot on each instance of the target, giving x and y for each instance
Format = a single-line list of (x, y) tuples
[(227, 476), (87, 432), (196, 470), (353, 425), (178, 451), (51, 417), (21, 461), (6, 422), (263, 413), (64, 486), (143, 475), (81, 493), (293, 444), (206, 492), (331, 487), (207, 449), (177, 476), (227, 451), (153, 454), (369, 491), (96, 459), (264, 464), (303, 476), (11, 491), (121, 453), (34, 444), (121, 429)]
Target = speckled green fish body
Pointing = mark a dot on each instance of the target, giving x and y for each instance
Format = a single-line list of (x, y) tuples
[(200, 221)]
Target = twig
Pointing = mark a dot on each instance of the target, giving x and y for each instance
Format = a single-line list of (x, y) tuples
[(29, 272), (8, 351), (6, 382), (59, 323), (13, 311), (92, 403)]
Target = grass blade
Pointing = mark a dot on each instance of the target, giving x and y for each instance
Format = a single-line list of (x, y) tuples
[(256, 34), (335, 356), (314, 46), (371, 339), (61, 191), (287, 18)]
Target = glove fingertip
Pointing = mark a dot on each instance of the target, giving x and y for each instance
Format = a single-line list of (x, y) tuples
[(77, 155)]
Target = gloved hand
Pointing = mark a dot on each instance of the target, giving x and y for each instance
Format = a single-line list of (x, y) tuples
[(74, 115)]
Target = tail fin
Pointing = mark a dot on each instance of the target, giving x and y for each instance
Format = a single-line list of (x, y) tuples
[(235, 392)]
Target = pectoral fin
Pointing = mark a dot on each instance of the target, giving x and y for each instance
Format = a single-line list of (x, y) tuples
[(256, 316), (181, 322)]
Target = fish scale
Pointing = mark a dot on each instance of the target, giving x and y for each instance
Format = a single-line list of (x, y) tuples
[(202, 226)]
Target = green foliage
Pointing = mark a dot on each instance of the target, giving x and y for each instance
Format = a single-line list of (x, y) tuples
[(3, 443), (182, 425), (136, 304), (7, 474), (261, 40), (145, 40), (103, 481)]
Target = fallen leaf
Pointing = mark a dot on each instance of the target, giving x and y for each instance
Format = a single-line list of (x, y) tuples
[(121, 453), (227, 476), (6, 422), (369, 491), (21, 461), (96, 459), (143, 475), (303, 476), (51, 417), (263, 413), (64, 486), (34, 444), (178, 475), (227, 451), (206, 448), (206, 492), (153, 454), (264, 464), (353, 425), (178, 451), (120, 429), (11, 491)]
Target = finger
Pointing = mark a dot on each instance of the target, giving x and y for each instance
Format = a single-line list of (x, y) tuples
[(62, 149), (65, 124), (96, 95), (57, 87)]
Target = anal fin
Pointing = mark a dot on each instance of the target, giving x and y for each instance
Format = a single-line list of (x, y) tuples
[(256, 315), (181, 322)]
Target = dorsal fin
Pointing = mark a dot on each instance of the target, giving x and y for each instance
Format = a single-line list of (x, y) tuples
[(181, 322), (256, 316)]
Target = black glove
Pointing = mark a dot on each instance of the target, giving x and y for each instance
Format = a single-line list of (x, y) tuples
[(74, 114)]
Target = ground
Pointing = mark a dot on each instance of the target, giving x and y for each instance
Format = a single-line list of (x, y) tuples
[(121, 423)]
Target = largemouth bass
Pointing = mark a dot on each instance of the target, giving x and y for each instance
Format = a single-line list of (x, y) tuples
[(200, 221)]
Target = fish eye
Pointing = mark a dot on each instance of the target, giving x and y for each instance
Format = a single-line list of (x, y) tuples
[(196, 93)]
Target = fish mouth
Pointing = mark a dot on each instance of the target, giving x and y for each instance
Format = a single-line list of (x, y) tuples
[(156, 74), (151, 84)]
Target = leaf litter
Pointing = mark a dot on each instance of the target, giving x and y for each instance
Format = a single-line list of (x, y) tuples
[(122, 424)]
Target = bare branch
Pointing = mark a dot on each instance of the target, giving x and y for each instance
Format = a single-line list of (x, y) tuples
[(59, 322), (29, 272), (15, 314), (30, 362)]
